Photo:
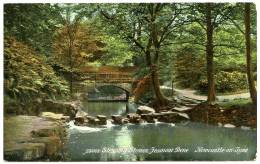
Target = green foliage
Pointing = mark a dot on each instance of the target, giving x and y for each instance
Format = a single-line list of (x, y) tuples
[(118, 35), (33, 24), (118, 51), (27, 76), (229, 52), (189, 66), (226, 82), (236, 102)]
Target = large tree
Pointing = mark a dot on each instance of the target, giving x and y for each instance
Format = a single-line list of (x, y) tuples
[(211, 16), (76, 41), (148, 28), (247, 20)]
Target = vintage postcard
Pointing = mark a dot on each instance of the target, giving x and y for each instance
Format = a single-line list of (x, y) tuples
[(154, 81)]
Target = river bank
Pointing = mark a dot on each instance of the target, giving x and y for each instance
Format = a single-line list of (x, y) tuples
[(33, 138), (42, 138)]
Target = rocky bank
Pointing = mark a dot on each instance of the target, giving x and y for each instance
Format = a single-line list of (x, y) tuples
[(32, 138)]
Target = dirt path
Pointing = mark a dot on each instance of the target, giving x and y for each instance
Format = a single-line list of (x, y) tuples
[(189, 93)]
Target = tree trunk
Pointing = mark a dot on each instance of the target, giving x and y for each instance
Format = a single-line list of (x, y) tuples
[(160, 99), (252, 89), (209, 56), (71, 73), (70, 45)]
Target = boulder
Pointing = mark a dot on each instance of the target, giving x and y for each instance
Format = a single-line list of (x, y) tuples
[(134, 118), (117, 119), (75, 105), (43, 141), (51, 115), (145, 110), (80, 116), (79, 120), (102, 119), (67, 108), (125, 120), (52, 144), (150, 118), (229, 126), (81, 113), (97, 121), (172, 117), (26, 152), (91, 119), (65, 118)]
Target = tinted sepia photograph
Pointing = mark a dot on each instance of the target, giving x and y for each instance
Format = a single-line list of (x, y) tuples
[(154, 81)]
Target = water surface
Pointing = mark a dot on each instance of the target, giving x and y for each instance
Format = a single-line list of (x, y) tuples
[(157, 142)]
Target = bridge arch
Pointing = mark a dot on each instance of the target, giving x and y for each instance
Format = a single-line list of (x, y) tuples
[(127, 87), (124, 88), (127, 92), (115, 86)]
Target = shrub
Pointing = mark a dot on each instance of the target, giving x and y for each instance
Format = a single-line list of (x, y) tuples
[(27, 76), (225, 82)]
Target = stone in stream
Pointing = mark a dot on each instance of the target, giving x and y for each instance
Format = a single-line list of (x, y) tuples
[(172, 117), (134, 118), (97, 121), (80, 117), (102, 119), (150, 118), (117, 119), (145, 110), (81, 113), (125, 120), (91, 119), (79, 120), (229, 126)]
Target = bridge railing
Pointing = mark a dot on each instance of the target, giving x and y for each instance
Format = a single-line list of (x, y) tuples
[(109, 77)]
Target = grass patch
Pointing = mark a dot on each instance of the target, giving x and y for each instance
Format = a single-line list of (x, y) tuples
[(222, 93), (233, 93), (237, 102)]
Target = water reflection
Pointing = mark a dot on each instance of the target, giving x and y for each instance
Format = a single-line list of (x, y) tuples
[(108, 108), (161, 136)]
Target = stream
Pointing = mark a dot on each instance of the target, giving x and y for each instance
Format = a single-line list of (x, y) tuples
[(156, 142)]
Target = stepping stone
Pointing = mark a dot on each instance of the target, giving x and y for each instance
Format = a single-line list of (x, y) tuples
[(229, 126)]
